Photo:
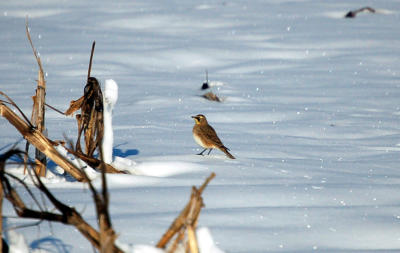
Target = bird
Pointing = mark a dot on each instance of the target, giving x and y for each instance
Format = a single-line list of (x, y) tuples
[(206, 137)]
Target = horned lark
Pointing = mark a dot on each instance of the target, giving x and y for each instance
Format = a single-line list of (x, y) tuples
[(206, 136)]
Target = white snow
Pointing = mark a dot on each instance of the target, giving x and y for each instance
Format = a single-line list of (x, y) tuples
[(90, 172), (110, 97), (17, 243), (310, 109), (146, 249), (206, 242)]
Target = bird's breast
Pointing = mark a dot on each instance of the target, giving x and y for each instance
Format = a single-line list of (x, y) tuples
[(198, 140)]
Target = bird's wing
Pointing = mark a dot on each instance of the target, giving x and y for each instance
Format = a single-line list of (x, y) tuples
[(210, 134)]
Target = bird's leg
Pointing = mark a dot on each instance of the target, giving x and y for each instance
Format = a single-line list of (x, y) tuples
[(209, 151), (201, 153)]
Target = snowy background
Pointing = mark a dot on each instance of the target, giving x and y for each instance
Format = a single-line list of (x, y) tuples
[(311, 112)]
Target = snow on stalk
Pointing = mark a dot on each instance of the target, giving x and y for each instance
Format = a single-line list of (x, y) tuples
[(110, 97)]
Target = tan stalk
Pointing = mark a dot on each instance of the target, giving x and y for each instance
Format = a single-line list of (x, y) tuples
[(38, 109), (74, 106), (38, 140), (90, 120), (191, 209), (178, 240), (192, 239), (93, 162)]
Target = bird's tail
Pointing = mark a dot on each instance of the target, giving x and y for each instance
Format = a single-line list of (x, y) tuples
[(225, 150)]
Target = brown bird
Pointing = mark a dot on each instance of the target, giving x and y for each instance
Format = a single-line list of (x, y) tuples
[(206, 136)]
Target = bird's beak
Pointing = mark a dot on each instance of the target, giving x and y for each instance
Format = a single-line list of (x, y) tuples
[(196, 119)]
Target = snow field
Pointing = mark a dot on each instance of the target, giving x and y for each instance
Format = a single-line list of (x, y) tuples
[(310, 111)]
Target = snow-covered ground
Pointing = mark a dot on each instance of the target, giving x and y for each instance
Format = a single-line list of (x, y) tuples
[(311, 111)]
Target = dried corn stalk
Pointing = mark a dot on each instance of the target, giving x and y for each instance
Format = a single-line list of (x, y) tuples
[(186, 221), (93, 162), (37, 139), (38, 111), (102, 239), (90, 120), (211, 96)]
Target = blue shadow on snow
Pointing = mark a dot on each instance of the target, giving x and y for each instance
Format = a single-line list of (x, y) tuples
[(125, 153), (51, 244)]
